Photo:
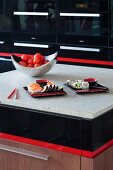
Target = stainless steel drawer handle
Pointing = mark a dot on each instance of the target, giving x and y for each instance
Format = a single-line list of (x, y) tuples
[(24, 152), (31, 13), (31, 45), (2, 42), (79, 15), (79, 48)]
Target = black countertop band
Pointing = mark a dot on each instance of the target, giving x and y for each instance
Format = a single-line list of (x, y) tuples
[(67, 131)]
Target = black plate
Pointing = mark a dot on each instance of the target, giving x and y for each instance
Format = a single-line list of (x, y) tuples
[(47, 94), (97, 88)]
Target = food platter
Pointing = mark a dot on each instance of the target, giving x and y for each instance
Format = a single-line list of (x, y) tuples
[(56, 91), (94, 87)]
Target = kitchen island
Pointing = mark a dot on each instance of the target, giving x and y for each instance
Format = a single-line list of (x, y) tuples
[(79, 127)]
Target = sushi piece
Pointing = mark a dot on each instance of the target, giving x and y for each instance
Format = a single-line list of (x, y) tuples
[(50, 88), (45, 89), (79, 84), (34, 88), (50, 83)]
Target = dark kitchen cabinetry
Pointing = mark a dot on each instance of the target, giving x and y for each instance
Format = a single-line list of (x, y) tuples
[(111, 34), (83, 31), (34, 24), (83, 22), (83, 55), (5, 25), (111, 24), (80, 30)]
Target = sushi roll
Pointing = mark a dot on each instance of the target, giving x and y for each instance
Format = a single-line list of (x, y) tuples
[(79, 84)]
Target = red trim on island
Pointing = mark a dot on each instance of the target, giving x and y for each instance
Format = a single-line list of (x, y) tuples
[(101, 149), (80, 152), (40, 143)]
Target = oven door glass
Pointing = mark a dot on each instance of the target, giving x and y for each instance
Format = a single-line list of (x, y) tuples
[(34, 21), (83, 5), (83, 22), (5, 23), (5, 16)]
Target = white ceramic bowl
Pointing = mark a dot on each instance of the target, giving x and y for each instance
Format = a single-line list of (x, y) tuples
[(35, 71)]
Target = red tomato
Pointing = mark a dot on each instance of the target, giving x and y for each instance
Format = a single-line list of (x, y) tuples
[(25, 57), (37, 65), (23, 63), (43, 59), (37, 61), (30, 65), (30, 61), (32, 57), (38, 56)]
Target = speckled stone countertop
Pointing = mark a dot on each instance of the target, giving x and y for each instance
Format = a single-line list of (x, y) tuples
[(79, 105)]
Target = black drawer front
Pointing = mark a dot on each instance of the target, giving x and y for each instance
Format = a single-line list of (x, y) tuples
[(83, 52), (41, 126)]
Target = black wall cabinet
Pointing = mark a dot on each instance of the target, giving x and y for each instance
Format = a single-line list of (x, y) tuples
[(5, 25), (78, 29)]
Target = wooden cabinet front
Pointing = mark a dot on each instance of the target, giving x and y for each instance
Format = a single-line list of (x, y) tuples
[(103, 161), (20, 156)]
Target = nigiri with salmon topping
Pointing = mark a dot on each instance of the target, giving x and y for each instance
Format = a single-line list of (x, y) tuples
[(34, 88)]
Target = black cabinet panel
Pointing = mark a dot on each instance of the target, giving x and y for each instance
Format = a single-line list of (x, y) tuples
[(97, 132), (34, 21), (5, 24), (83, 22), (84, 52), (83, 5), (5, 16), (41, 126), (111, 23), (110, 57)]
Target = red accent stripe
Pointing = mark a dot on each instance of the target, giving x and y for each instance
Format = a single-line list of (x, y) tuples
[(80, 152), (73, 60), (40, 143), (5, 54), (98, 151), (110, 63), (9, 54), (77, 60)]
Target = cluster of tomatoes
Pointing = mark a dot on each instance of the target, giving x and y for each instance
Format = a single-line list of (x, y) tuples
[(32, 61)]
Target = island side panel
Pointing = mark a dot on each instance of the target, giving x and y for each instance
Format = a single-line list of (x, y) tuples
[(103, 161)]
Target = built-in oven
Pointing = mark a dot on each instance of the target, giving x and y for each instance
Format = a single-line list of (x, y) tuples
[(5, 24), (83, 22), (34, 23)]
